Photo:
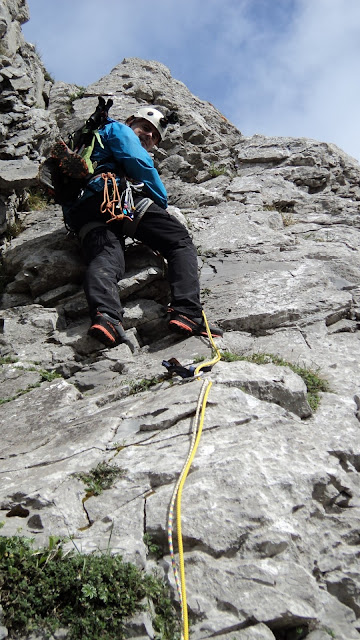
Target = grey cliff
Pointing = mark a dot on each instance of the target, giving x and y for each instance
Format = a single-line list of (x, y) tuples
[(271, 507)]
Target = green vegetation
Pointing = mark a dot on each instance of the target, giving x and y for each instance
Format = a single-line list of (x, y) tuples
[(101, 478), (152, 547), (144, 384), (75, 96), (117, 446), (228, 356), (93, 596), (7, 360), (45, 376), (287, 219), (36, 200), (48, 77), (13, 230), (215, 171), (314, 383)]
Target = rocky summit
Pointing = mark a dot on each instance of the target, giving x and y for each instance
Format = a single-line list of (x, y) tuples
[(271, 506)]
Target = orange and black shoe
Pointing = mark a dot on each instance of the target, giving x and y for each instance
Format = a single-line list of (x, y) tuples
[(191, 326), (107, 330), (71, 163)]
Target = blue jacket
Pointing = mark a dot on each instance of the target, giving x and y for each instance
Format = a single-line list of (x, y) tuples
[(123, 147)]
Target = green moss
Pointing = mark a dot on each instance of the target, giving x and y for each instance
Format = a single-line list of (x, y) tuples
[(93, 596)]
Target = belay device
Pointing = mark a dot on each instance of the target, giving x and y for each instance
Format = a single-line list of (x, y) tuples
[(174, 367)]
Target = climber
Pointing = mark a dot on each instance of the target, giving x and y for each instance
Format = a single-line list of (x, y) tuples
[(124, 150)]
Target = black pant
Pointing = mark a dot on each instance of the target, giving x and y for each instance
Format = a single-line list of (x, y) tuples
[(103, 249)]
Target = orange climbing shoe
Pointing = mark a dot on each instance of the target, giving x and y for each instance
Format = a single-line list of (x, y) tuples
[(191, 326), (107, 330)]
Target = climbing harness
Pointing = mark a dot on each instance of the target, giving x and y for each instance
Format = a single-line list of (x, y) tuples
[(174, 367)]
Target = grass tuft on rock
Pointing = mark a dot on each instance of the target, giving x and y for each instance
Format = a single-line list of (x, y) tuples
[(92, 596), (314, 383), (100, 478)]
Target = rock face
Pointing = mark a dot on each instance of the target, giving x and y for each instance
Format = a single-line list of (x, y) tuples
[(270, 510), (26, 125)]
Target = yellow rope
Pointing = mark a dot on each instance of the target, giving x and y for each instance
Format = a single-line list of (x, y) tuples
[(178, 516), (177, 493), (218, 354)]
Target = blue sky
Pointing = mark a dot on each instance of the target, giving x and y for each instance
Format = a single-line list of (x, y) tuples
[(275, 67)]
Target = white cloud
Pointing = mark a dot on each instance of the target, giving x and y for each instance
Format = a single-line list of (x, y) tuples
[(306, 85), (278, 67)]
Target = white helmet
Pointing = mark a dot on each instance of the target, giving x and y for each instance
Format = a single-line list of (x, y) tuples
[(156, 118)]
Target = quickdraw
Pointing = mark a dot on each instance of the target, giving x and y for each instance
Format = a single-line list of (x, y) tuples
[(111, 202), (114, 200)]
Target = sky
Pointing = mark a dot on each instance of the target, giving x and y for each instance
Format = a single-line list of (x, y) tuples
[(274, 67)]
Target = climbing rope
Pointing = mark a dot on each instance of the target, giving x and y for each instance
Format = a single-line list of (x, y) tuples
[(177, 493), (176, 489), (218, 354)]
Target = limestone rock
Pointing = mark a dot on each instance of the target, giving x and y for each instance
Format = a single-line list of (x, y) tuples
[(270, 507)]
